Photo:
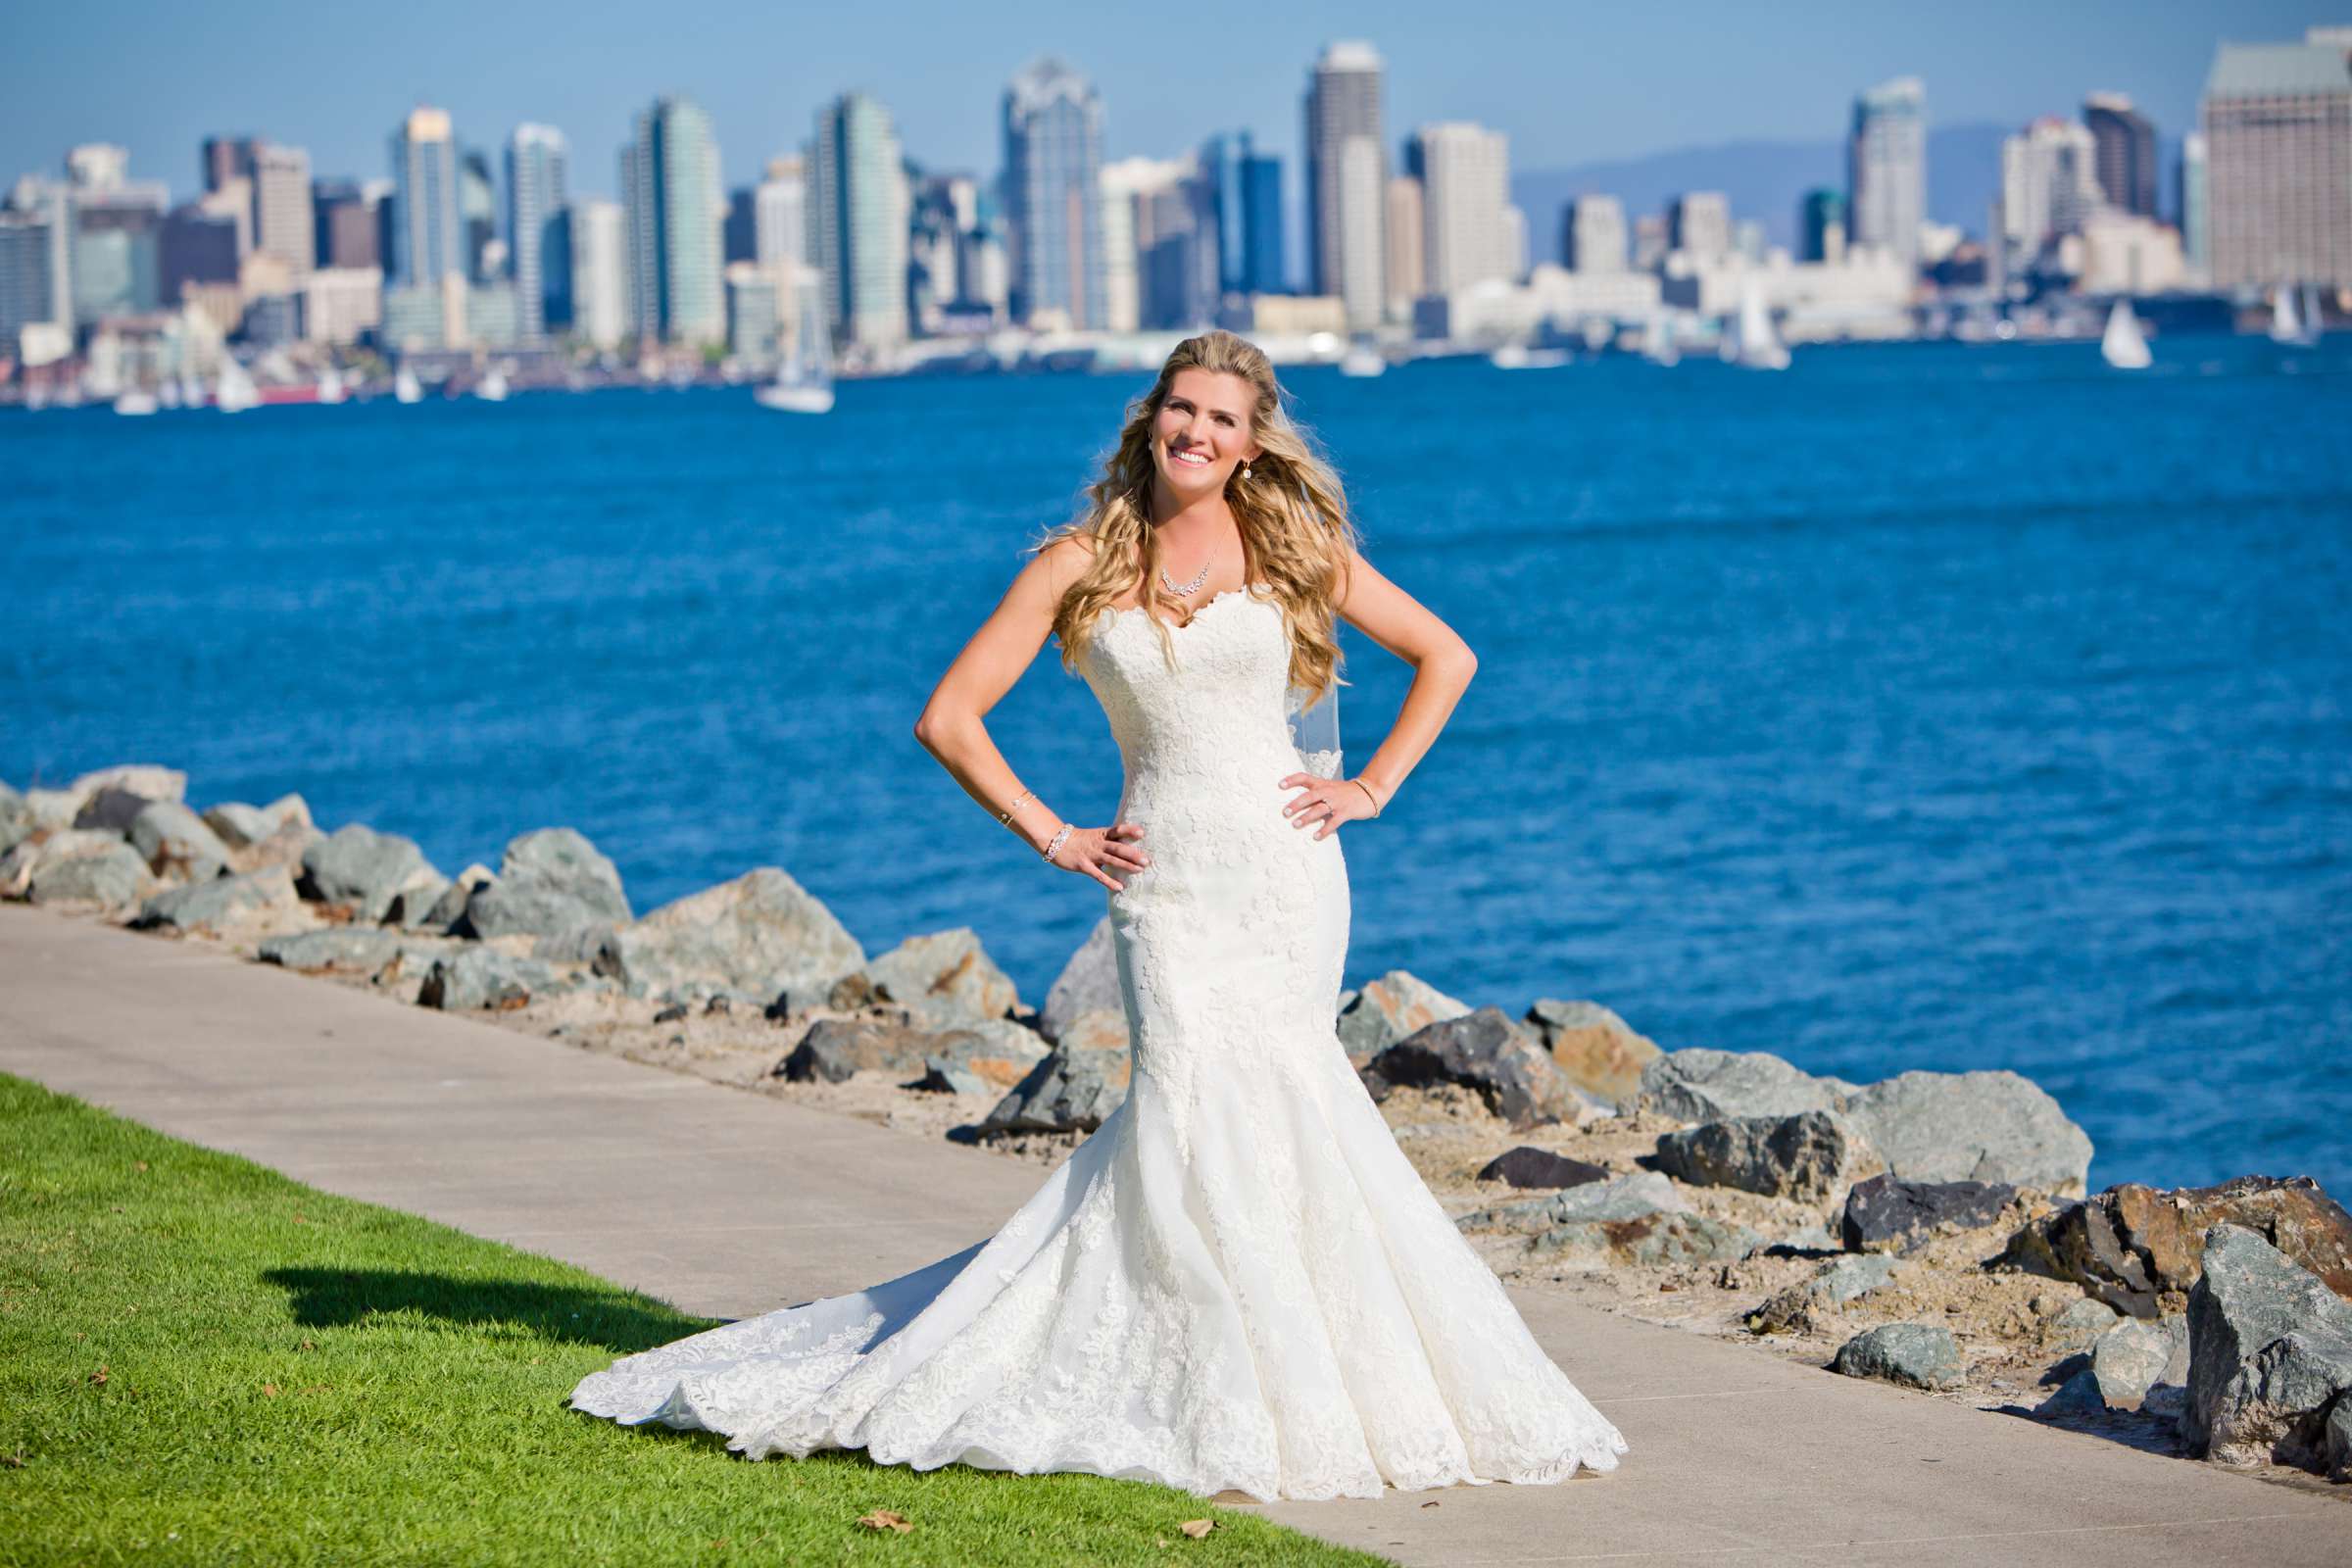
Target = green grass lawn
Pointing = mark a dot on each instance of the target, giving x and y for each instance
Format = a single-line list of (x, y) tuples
[(202, 1361)]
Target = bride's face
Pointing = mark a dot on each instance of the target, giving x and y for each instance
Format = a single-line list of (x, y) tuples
[(1203, 433)]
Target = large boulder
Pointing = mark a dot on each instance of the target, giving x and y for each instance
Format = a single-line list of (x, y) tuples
[(1698, 1084), (245, 827), (147, 780), (944, 979), (1528, 1166), (1833, 1283), (1075, 1089), (1483, 1051), (111, 810), (1919, 1356), (2270, 1374), (1885, 1213), (475, 977), (1390, 1009), (998, 1052), (176, 845), (1088, 983), (1808, 1157), (361, 870), (1659, 1238), (1628, 1197), (17, 820), (341, 949), (105, 879), (2127, 1363), (756, 935), (1599, 1051), (550, 882), (2132, 1246), (50, 848), (1973, 1127), (253, 898)]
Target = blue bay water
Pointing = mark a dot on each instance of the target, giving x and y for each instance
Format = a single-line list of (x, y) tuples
[(1921, 706)]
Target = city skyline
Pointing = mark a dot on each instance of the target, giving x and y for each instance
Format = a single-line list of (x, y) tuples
[(1632, 87)]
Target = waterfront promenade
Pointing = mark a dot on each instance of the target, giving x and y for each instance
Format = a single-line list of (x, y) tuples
[(729, 1205)]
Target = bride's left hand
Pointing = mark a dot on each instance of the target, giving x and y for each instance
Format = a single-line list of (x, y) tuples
[(1325, 800)]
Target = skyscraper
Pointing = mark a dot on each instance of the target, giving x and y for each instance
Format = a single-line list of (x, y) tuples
[(1053, 195), (1264, 268), (2192, 202), (1347, 181), (425, 239), (1821, 227), (2277, 126), (670, 185), (859, 197), (2124, 157), (537, 165), (344, 224), (1699, 224), (780, 217), (1465, 178), (2050, 185), (600, 272), (1592, 238), (282, 224), (1886, 168), (1403, 265)]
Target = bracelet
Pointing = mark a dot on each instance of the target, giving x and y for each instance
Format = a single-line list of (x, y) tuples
[(1018, 801), (1059, 839), (1367, 789)]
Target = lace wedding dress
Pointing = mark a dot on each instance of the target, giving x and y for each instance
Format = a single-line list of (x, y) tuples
[(1238, 1282)]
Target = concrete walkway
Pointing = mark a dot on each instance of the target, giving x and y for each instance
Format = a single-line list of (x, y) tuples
[(730, 1204)]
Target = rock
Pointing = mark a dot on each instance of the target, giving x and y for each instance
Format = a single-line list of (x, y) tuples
[(52, 847), (1644, 1241), (1627, 1197), (1527, 1166), (109, 878), (942, 1076), (1973, 1127), (111, 810), (944, 978), (1000, 1051), (485, 977), (412, 908), (1486, 1051), (1832, 1285), (1073, 1089), (348, 948), (1389, 1010), (550, 882), (2079, 1324), (53, 810), (146, 780), (1599, 1051), (756, 935), (1919, 1356), (1702, 1085), (174, 843), (249, 899), (2131, 1246), (2269, 1358), (244, 827), (1885, 1213), (2132, 1358), (453, 900), (16, 820), (1088, 983), (1807, 1156), (362, 870)]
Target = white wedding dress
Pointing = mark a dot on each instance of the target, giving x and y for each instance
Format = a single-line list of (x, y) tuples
[(1238, 1282)]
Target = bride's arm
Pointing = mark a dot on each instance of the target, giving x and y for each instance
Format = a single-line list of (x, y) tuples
[(952, 727), (1443, 664)]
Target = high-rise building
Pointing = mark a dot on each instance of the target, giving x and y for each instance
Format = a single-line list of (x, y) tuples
[(1699, 224), (197, 247), (427, 245), (116, 225), (1465, 177), (1053, 121), (1405, 222), (2191, 201), (346, 223), (1124, 182), (1821, 227), (1886, 169), (2277, 126), (27, 297), (1264, 268), (780, 215), (1348, 182), (858, 193), (1221, 173), (1592, 237), (282, 221), (477, 216), (538, 161), (739, 239), (46, 208), (227, 158), (1649, 242), (600, 272), (2050, 185), (670, 185), (2124, 143)]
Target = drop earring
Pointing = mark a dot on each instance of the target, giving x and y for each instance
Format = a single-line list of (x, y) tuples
[(1245, 470)]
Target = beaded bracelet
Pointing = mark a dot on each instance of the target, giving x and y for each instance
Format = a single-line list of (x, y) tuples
[(1018, 801), (1059, 839)]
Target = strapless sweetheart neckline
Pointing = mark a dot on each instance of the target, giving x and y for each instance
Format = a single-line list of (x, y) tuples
[(1214, 600)]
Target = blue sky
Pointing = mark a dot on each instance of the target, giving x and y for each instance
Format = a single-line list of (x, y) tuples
[(1568, 82)]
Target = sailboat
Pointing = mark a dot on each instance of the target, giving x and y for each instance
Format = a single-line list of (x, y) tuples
[(405, 388), (2287, 325), (2124, 346), (492, 387), (1759, 348), (1657, 341), (1519, 357), (330, 385), (2315, 318), (804, 383), (136, 401), (1362, 358), (234, 391)]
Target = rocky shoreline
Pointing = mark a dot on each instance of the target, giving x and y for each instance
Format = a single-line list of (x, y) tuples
[(1931, 1230)]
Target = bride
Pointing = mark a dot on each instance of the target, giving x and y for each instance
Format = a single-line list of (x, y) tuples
[(1238, 1283)]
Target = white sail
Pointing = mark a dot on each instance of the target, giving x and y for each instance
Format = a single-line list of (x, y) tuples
[(234, 391), (2123, 345), (2287, 318), (492, 388), (1759, 346), (804, 383), (404, 386)]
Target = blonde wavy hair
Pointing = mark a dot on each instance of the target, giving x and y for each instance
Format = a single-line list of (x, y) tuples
[(1297, 536)]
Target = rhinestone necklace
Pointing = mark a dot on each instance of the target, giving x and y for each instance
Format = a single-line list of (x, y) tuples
[(1190, 588)]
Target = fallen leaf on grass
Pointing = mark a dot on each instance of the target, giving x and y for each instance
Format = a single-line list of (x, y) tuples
[(270, 1390), (99, 1375), (306, 1345), (884, 1519), (140, 1164), (1198, 1528)]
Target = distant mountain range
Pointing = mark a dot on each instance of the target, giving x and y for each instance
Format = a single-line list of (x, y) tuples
[(1767, 179)]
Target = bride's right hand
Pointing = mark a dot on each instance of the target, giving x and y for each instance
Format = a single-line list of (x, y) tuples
[(1095, 850)]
